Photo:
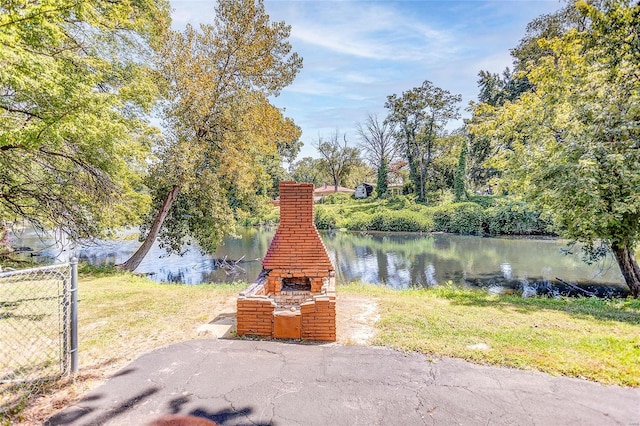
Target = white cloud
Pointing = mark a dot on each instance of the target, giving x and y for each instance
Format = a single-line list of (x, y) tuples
[(312, 87), (367, 30), (360, 78)]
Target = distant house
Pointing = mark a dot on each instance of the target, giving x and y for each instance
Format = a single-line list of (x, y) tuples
[(395, 189), (363, 190), (322, 191)]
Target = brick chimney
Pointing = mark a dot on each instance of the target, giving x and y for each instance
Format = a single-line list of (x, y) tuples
[(297, 255), (294, 297)]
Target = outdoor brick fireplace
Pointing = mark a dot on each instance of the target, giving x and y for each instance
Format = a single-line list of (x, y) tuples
[(294, 296)]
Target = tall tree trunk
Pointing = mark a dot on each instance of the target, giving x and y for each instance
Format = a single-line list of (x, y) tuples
[(5, 246), (629, 267), (422, 177), (414, 175), (382, 185), (132, 263)]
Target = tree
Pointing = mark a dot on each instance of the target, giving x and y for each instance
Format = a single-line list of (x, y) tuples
[(5, 247), (421, 115), (459, 187), (75, 91), (272, 162), (382, 181), (337, 159), (309, 170), (574, 142), (445, 155), (546, 27), (495, 89), (359, 172), (223, 131), (378, 142), (480, 150)]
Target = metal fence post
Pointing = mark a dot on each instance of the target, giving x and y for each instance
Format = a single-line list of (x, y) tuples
[(74, 314)]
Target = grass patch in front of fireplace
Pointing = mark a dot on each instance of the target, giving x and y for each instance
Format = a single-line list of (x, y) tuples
[(589, 338)]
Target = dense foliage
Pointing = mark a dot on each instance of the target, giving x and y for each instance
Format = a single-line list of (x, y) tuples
[(224, 135), (484, 216), (310, 170), (571, 146), (75, 90), (420, 116)]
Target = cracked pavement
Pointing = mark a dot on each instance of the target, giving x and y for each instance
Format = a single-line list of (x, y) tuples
[(244, 382)]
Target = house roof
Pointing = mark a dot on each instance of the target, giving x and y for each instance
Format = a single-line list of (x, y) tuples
[(330, 189)]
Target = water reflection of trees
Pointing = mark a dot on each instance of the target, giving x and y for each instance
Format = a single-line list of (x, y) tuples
[(399, 260), (248, 243), (421, 260)]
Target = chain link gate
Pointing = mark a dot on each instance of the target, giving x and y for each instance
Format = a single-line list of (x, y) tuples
[(38, 330)]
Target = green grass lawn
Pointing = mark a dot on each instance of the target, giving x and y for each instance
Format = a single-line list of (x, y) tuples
[(122, 315), (582, 337)]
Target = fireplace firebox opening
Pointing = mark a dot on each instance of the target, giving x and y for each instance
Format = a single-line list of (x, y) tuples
[(296, 284)]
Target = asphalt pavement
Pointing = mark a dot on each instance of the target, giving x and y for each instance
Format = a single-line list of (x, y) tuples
[(245, 382)]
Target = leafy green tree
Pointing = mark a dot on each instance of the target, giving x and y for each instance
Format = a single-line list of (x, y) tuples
[(480, 151), (310, 170), (494, 90), (223, 131), (445, 156), (497, 89), (382, 181), (337, 159), (546, 27), (272, 162), (572, 146), (421, 115), (359, 172), (75, 92), (377, 140), (459, 188)]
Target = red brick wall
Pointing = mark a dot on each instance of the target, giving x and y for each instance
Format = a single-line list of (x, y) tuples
[(295, 251), (296, 247), (255, 316), (319, 319), (316, 319)]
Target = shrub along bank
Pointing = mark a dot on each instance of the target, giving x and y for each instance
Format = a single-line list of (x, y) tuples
[(480, 216)]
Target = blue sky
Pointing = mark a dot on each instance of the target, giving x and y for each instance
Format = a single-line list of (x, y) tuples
[(356, 53)]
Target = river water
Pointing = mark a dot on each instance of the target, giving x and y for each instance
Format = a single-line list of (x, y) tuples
[(400, 260)]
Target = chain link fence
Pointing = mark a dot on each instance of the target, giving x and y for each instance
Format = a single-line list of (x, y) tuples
[(38, 331)]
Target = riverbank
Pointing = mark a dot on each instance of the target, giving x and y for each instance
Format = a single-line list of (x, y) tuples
[(122, 316), (478, 215), (512, 264)]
